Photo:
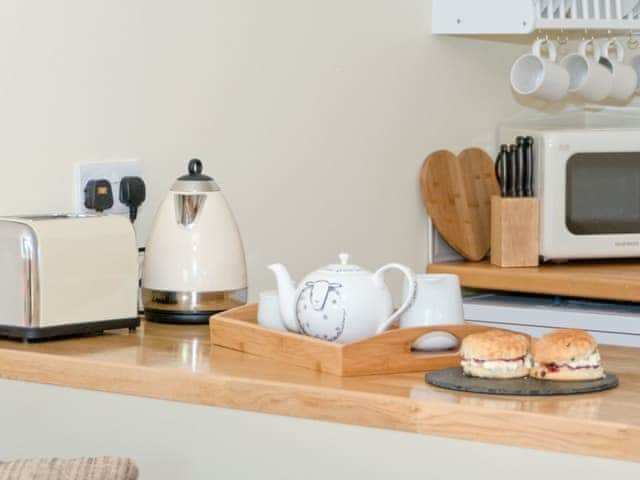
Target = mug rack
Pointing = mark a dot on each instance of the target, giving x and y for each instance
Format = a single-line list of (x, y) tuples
[(521, 17)]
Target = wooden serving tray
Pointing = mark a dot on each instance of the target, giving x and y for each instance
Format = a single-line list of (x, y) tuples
[(389, 352)]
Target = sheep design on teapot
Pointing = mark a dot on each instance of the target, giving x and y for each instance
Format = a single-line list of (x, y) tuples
[(319, 310)]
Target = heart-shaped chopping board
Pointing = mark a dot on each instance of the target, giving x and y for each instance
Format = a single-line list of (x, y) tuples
[(457, 191)]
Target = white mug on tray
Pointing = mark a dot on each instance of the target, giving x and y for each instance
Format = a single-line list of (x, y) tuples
[(269, 311), (437, 301)]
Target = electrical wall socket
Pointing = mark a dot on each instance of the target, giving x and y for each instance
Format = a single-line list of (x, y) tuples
[(112, 171)]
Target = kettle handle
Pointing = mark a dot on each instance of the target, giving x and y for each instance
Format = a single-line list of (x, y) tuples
[(408, 273)]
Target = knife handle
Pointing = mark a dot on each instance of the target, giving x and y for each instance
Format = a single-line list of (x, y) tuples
[(501, 169), (528, 162), (511, 171), (520, 167)]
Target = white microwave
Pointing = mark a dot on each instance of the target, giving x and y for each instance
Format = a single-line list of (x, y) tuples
[(588, 184)]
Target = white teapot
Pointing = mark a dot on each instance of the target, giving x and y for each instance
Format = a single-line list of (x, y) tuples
[(341, 302)]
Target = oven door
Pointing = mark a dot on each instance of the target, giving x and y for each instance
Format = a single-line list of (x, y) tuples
[(597, 214)]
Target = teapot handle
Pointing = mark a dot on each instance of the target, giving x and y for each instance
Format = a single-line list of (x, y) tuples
[(408, 273)]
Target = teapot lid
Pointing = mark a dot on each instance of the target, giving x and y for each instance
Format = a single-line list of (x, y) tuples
[(195, 181), (343, 266)]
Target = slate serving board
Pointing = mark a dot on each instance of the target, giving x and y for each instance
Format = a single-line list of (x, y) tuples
[(454, 379)]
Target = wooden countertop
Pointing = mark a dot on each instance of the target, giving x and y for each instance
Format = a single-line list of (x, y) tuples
[(604, 280), (178, 363)]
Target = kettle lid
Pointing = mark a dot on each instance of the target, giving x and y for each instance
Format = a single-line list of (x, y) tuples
[(195, 180)]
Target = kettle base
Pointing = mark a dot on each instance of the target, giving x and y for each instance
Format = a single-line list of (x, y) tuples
[(184, 318), (189, 307)]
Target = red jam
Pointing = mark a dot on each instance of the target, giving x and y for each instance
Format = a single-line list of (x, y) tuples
[(497, 359), (554, 367)]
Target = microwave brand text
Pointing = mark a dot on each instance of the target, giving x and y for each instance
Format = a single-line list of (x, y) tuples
[(627, 244)]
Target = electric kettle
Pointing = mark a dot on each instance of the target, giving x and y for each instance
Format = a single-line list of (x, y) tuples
[(194, 262)]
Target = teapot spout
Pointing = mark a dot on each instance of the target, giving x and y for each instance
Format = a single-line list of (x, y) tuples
[(286, 294)]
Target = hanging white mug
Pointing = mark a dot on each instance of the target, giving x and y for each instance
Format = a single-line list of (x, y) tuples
[(437, 301), (540, 77), (625, 79), (587, 77), (635, 64)]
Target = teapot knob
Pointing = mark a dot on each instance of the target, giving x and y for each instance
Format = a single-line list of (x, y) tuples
[(344, 258)]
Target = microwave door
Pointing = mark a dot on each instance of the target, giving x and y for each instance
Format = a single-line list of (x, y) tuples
[(603, 193)]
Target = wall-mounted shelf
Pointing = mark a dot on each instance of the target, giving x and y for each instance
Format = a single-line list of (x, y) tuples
[(476, 17), (616, 280)]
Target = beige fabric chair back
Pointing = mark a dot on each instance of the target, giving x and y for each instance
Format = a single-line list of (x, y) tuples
[(101, 468)]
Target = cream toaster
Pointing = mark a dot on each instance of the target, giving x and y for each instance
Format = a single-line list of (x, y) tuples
[(67, 274)]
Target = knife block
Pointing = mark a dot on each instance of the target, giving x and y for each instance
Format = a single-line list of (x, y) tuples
[(515, 231)]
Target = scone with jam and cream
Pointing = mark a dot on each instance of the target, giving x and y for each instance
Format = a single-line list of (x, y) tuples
[(496, 354), (566, 355)]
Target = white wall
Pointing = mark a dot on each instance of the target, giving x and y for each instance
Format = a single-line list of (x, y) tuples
[(313, 115)]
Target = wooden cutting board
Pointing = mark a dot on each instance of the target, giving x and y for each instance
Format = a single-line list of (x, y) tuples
[(456, 191)]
